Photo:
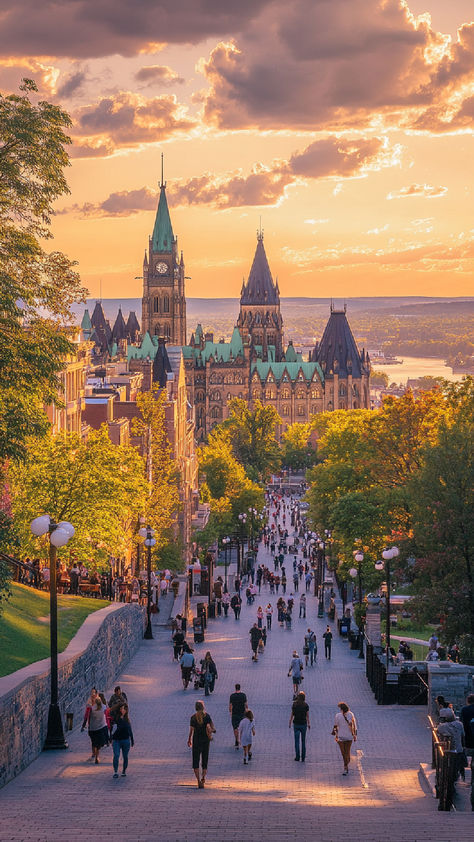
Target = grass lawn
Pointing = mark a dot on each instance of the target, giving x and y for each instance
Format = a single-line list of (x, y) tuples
[(24, 625)]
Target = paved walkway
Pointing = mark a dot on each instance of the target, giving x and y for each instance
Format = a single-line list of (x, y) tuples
[(61, 797)]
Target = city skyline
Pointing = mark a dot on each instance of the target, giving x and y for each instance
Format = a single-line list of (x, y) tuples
[(345, 127)]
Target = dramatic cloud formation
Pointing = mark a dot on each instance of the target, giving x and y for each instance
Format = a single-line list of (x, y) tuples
[(331, 65), (125, 120), (427, 191), (326, 158), (91, 28), (158, 73)]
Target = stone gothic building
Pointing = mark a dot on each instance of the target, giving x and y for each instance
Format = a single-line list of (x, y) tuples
[(164, 302)]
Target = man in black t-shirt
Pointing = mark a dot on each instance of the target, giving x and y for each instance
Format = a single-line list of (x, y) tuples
[(299, 718), (237, 708), (327, 643)]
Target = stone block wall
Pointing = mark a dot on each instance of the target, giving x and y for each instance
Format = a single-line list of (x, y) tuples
[(95, 657), (453, 681)]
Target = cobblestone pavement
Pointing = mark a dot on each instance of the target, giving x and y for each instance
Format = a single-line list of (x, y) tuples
[(61, 797)]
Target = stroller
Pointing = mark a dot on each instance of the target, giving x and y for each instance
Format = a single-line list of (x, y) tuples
[(198, 677)]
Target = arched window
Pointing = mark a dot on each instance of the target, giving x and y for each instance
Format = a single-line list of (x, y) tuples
[(255, 394), (300, 410), (285, 394), (158, 329), (315, 393), (342, 389), (300, 394), (269, 394), (166, 304), (200, 396), (215, 412), (285, 410), (215, 396), (167, 331), (314, 410), (156, 304)]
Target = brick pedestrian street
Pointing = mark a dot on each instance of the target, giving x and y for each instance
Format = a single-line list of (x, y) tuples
[(62, 797)]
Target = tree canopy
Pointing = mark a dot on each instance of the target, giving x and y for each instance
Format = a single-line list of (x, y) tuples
[(252, 433), (37, 287)]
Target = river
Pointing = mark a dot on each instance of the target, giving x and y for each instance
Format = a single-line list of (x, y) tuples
[(413, 367)]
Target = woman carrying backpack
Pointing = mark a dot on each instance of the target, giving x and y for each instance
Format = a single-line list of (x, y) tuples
[(345, 732)]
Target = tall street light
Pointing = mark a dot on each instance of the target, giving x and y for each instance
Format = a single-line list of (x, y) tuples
[(387, 555), (59, 535), (242, 521), (147, 533), (225, 542), (321, 563), (359, 558)]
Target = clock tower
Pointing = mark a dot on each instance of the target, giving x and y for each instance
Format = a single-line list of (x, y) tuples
[(164, 302)]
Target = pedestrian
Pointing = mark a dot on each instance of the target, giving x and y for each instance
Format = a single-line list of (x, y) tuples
[(255, 637), (283, 581), (327, 636), (209, 670), (201, 730), (97, 725), (467, 719), (303, 606), (225, 602), (246, 732), (299, 718), (269, 613), (345, 733), (295, 581), (451, 727), (311, 648), (260, 616), (117, 699), (295, 671), (122, 740), (308, 579), (178, 640), (187, 663), (236, 605), (237, 708)]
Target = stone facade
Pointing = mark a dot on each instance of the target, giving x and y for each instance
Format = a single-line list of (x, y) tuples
[(95, 657), (453, 681)]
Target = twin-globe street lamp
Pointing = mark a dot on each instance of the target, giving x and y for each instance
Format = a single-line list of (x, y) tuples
[(59, 535), (387, 555), (243, 521), (353, 572), (147, 533), (225, 542)]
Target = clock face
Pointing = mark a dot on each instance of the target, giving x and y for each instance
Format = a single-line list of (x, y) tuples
[(162, 267)]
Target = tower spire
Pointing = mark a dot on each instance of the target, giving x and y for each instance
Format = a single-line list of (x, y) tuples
[(162, 182)]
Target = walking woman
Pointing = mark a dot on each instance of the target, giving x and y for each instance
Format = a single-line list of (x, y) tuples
[(260, 617), (209, 670), (201, 730), (97, 725), (269, 612), (345, 732), (122, 739)]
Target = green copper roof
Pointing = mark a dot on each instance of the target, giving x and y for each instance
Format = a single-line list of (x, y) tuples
[(86, 323), (147, 348), (220, 351), (292, 370), (290, 354), (163, 237)]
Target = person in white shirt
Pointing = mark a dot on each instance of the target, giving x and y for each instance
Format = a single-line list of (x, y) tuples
[(345, 732), (246, 732)]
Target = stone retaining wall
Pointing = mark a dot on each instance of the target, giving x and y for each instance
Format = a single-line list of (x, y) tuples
[(95, 657)]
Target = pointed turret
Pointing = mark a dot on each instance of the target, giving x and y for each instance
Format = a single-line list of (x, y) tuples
[(162, 238), (101, 327), (86, 324), (260, 288), (337, 351), (133, 327), (161, 364), (119, 330)]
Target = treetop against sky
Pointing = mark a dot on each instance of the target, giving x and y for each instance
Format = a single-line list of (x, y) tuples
[(346, 125)]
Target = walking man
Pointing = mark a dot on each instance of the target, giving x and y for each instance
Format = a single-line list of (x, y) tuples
[(255, 638), (296, 672), (327, 643), (236, 605), (303, 606), (237, 709), (299, 718)]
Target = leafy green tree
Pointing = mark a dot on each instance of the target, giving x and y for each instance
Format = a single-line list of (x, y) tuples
[(97, 486), (379, 379), (162, 503), (443, 522), (297, 452), (253, 436), (37, 288)]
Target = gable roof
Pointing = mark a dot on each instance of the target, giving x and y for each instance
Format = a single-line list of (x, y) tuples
[(293, 369)]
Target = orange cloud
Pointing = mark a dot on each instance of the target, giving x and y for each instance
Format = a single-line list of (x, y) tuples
[(427, 191)]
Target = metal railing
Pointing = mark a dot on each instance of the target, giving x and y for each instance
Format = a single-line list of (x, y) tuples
[(445, 762)]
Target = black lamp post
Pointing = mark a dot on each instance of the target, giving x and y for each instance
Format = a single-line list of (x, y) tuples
[(321, 565), (59, 535), (387, 556), (243, 521), (148, 533), (225, 542), (359, 558)]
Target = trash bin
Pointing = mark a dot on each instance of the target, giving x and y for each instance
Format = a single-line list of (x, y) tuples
[(212, 610), (198, 629), (354, 640), (345, 626)]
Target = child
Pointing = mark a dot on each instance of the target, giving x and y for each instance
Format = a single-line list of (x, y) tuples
[(246, 732)]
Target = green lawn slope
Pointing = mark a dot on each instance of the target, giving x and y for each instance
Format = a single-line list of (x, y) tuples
[(24, 625)]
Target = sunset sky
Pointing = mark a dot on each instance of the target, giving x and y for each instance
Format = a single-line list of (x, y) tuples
[(346, 125)]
